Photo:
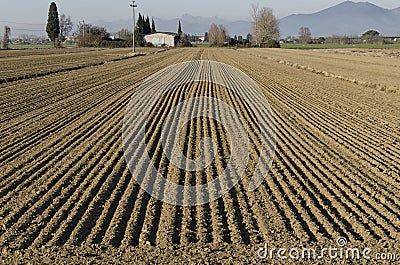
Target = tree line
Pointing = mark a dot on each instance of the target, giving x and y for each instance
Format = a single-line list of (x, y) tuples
[(370, 36), (265, 31), (88, 35), (58, 27)]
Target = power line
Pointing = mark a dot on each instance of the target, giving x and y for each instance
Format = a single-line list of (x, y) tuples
[(29, 29), (20, 23), (26, 24)]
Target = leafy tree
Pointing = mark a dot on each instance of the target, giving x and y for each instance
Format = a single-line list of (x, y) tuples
[(6, 37), (53, 24), (265, 25), (206, 37), (89, 35), (66, 26), (304, 35), (373, 36), (180, 32), (99, 31), (153, 26), (371, 33)]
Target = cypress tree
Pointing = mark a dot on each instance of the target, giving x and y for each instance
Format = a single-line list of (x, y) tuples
[(180, 33), (147, 27), (53, 23), (140, 23), (153, 26), (138, 31)]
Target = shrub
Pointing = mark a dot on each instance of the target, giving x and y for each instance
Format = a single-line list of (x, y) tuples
[(183, 43), (117, 43), (271, 44)]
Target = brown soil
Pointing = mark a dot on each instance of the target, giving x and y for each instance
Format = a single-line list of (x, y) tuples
[(66, 194)]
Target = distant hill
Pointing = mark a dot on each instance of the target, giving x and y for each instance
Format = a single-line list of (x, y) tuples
[(347, 18), (194, 25), (396, 10)]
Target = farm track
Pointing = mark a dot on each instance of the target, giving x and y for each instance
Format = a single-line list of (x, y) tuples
[(64, 180)]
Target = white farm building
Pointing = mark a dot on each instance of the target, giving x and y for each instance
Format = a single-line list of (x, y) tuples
[(162, 39)]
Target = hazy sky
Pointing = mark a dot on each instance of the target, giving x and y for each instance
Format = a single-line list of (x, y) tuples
[(35, 11)]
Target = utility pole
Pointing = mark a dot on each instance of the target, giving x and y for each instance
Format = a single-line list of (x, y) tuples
[(83, 33), (133, 31)]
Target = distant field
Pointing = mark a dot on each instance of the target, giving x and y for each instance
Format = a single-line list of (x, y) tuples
[(201, 45), (339, 46), (37, 46), (206, 45)]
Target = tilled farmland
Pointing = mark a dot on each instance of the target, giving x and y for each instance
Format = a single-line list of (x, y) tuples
[(67, 195)]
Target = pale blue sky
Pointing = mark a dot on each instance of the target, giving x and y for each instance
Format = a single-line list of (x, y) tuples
[(35, 11)]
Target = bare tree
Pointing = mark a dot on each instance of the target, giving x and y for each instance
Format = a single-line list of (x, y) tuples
[(212, 34), (265, 25), (217, 35), (66, 26), (125, 34), (6, 37), (222, 34), (304, 35)]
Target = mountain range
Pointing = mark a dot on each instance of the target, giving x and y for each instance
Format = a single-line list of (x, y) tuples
[(347, 18), (194, 25)]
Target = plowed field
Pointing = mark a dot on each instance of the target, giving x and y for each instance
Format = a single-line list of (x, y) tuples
[(66, 193)]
